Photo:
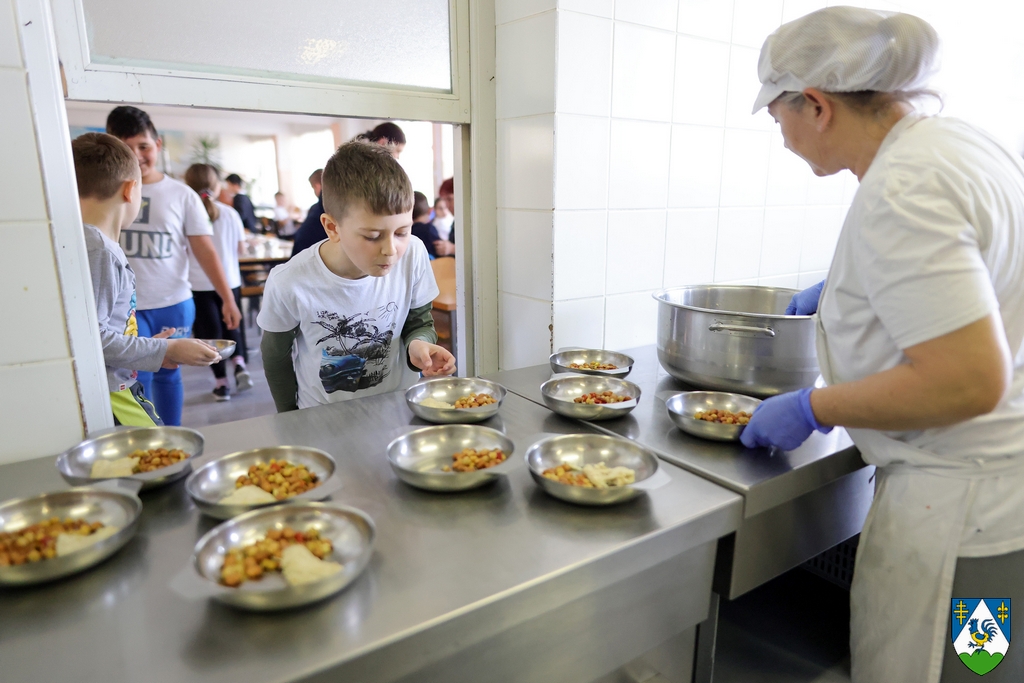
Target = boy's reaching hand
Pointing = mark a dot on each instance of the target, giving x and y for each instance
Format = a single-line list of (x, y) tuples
[(189, 352), (431, 359)]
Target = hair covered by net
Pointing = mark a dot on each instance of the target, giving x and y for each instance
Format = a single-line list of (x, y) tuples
[(848, 49)]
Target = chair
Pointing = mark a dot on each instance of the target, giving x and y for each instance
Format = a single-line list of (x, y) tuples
[(444, 305)]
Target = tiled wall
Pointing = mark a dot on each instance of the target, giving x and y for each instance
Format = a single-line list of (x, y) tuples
[(39, 408), (628, 161)]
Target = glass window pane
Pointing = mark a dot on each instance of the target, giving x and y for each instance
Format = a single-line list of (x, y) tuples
[(384, 42)]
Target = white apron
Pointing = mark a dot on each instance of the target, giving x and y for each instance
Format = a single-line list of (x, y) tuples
[(903, 577)]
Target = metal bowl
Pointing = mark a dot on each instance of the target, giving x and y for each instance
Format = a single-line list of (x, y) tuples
[(590, 449), (112, 508), (216, 479), (450, 389), (417, 457), (682, 408), (561, 361), (350, 530), (559, 392), (225, 347), (75, 464)]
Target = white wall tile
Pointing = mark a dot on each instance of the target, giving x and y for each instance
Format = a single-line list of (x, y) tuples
[(583, 84), (630, 320), (525, 334), (821, 230), (690, 239), (600, 8), (525, 66), (656, 13), (754, 20), (636, 251), (827, 189), (639, 160), (10, 52), (524, 253), (579, 323), (787, 281), (642, 73), (32, 300), (510, 10), (525, 171), (788, 175), (706, 19), (21, 185), (743, 88), (811, 278), (580, 242), (745, 167), (794, 9), (581, 162), (738, 250), (701, 81), (782, 241), (39, 410), (695, 171)]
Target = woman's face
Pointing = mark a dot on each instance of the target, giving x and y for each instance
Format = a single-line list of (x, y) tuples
[(802, 134)]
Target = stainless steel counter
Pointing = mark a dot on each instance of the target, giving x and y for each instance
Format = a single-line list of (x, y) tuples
[(501, 583), (796, 503)]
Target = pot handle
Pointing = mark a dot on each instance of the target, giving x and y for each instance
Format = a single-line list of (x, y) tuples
[(719, 326)]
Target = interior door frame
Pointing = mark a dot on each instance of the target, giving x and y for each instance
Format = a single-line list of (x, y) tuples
[(470, 106)]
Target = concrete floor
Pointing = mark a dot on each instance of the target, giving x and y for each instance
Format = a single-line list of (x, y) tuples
[(794, 629)]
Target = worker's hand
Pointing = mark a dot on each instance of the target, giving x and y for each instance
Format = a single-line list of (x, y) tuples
[(444, 248), (784, 421), (431, 359), (189, 352), (232, 316), (805, 302)]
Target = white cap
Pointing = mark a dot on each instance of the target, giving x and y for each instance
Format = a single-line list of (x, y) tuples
[(846, 49)]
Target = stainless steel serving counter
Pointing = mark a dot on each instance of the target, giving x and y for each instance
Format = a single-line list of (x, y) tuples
[(796, 503), (502, 583)]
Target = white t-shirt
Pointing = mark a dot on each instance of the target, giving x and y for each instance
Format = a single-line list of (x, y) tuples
[(933, 241), (349, 340), (228, 231), (156, 244)]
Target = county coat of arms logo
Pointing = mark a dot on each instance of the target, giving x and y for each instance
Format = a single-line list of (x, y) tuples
[(981, 632)]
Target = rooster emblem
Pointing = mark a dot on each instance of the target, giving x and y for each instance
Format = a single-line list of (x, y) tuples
[(980, 638)]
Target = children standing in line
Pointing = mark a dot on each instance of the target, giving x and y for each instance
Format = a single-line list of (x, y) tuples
[(337, 316), (109, 190), (171, 224), (228, 235)]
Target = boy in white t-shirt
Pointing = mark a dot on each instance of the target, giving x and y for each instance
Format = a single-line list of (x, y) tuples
[(171, 224), (337, 316)]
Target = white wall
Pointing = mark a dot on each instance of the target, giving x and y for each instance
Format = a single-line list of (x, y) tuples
[(40, 410)]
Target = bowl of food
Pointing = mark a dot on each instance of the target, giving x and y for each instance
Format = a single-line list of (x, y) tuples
[(237, 483), (453, 457), (152, 455), (225, 347), (715, 415), (279, 557), (591, 362), (57, 534), (446, 400), (593, 469), (590, 397)]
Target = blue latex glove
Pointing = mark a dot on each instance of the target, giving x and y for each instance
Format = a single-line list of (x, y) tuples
[(805, 302), (784, 421)]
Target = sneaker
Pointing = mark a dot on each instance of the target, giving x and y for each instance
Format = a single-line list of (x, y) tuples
[(243, 380), (222, 394)]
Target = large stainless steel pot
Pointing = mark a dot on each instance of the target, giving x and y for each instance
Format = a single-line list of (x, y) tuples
[(736, 339)]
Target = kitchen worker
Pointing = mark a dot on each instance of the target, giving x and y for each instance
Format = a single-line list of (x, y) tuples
[(920, 325)]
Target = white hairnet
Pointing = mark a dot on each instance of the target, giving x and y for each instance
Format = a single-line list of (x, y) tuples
[(846, 49)]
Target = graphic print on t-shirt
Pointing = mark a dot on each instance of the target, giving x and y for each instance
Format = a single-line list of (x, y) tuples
[(144, 244), (358, 357), (143, 216)]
